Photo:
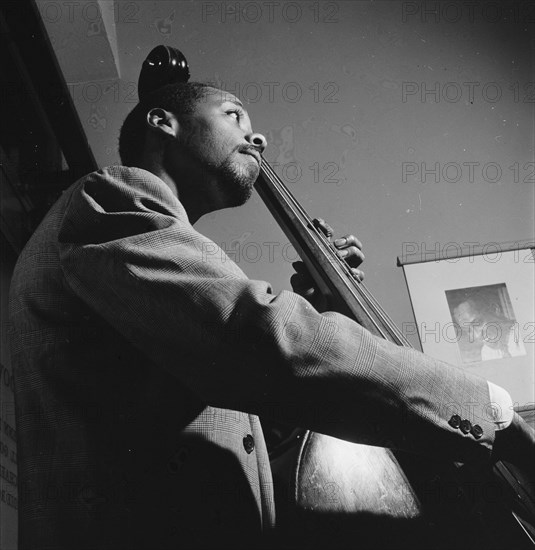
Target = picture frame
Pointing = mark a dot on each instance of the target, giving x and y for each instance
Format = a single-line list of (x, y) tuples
[(474, 307)]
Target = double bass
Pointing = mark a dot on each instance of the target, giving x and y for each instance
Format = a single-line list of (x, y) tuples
[(333, 493)]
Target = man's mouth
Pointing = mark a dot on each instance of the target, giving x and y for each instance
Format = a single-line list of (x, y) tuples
[(254, 154)]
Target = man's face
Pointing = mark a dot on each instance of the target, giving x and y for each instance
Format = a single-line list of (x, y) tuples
[(214, 151), (481, 327)]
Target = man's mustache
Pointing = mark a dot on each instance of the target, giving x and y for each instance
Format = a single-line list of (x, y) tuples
[(250, 150)]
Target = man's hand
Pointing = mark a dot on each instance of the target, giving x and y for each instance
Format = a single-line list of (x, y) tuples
[(348, 248)]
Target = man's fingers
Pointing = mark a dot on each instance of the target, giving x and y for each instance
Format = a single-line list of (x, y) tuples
[(347, 240), (302, 285), (325, 228), (300, 267), (349, 248), (301, 280), (352, 255), (358, 274)]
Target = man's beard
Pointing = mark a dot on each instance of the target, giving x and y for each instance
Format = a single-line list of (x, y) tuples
[(236, 181)]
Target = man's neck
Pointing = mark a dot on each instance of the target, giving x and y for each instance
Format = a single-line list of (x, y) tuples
[(194, 208)]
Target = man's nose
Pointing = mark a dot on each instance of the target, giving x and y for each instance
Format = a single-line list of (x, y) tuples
[(258, 141)]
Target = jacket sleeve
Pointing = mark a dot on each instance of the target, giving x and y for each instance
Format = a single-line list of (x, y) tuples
[(128, 251)]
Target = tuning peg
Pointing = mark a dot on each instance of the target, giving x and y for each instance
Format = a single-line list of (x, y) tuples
[(164, 65)]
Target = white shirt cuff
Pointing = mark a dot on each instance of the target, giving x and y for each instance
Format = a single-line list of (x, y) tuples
[(501, 406)]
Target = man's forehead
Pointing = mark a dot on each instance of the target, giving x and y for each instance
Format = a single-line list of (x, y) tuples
[(214, 95)]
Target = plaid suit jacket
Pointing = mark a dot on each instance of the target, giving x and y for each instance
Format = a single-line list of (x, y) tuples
[(142, 355)]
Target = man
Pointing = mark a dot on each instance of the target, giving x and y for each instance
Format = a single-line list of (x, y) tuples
[(486, 325), (141, 360)]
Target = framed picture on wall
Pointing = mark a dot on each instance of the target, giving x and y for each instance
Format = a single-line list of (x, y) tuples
[(475, 307)]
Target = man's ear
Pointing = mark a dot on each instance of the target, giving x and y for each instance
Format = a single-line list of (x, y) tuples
[(163, 122)]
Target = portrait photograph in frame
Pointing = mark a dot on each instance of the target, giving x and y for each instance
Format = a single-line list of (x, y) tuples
[(474, 308)]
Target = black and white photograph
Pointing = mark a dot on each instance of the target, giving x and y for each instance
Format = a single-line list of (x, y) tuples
[(486, 323), (267, 274)]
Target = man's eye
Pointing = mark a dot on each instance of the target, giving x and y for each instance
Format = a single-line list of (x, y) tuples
[(235, 112)]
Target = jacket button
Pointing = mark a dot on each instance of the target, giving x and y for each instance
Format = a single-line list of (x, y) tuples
[(248, 444), (477, 431), (466, 426), (455, 421)]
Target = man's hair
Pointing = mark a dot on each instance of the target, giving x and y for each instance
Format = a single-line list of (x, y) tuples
[(179, 98), (485, 303)]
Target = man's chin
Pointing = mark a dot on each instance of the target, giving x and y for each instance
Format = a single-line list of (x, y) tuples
[(241, 195), (235, 182), (235, 191)]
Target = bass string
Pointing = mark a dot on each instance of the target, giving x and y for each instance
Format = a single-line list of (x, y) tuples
[(306, 223), (357, 288)]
